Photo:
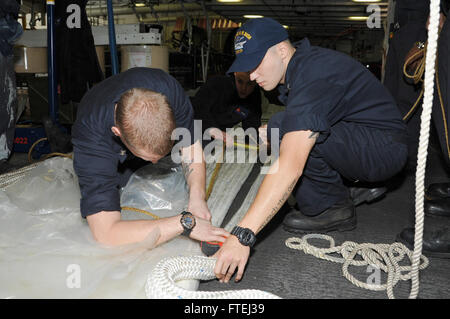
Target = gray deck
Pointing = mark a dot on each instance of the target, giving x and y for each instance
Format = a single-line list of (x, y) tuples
[(291, 273)]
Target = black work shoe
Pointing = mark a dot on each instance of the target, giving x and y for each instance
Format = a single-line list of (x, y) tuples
[(435, 243), (360, 195), (437, 191), (437, 207), (339, 217)]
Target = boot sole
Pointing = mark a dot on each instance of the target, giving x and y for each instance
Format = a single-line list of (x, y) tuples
[(346, 225)]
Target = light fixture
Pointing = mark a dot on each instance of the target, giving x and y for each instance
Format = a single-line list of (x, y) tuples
[(139, 4), (366, 0), (356, 18), (253, 16), (229, 0), (285, 26)]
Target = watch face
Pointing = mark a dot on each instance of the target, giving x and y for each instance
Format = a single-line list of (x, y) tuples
[(188, 221), (248, 237)]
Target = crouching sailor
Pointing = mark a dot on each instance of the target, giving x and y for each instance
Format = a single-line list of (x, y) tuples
[(132, 115)]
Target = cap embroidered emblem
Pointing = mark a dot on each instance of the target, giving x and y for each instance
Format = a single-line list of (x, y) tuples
[(240, 39)]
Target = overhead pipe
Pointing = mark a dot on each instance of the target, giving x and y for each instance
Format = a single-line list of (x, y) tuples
[(101, 11), (171, 18)]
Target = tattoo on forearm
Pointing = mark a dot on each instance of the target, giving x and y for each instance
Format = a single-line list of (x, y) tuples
[(187, 169), (314, 135), (279, 204)]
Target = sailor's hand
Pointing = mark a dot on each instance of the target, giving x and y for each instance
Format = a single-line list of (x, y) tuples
[(228, 139), (205, 231), (199, 208), (230, 256), (262, 130), (218, 134)]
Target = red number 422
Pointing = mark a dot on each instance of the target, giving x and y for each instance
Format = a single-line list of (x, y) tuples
[(21, 140)]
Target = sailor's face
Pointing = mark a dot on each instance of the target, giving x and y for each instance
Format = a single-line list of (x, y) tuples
[(137, 151), (244, 85), (145, 155), (269, 73)]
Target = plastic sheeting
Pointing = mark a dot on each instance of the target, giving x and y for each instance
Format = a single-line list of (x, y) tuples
[(159, 189), (47, 250)]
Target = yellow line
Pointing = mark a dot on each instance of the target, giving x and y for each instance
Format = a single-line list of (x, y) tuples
[(212, 181), (141, 211), (246, 146)]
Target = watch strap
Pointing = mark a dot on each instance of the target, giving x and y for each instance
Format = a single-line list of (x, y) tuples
[(245, 236)]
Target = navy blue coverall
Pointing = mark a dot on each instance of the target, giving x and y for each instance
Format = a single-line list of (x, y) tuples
[(98, 153), (362, 136), (406, 93)]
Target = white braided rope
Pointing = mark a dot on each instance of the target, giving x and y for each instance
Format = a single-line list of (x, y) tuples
[(161, 282), (433, 34), (10, 178), (386, 257)]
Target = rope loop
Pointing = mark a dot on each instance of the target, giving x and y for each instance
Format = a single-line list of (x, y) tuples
[(161, 282), (385, 257)]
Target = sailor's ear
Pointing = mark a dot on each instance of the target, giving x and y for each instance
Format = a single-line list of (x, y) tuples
[(283, 49), (116, 131)]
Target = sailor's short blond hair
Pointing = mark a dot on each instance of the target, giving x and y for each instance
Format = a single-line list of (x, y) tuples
[(145, 120)]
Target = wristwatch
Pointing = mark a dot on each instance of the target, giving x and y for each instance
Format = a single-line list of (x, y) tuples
[(187, 220), (246, 236)]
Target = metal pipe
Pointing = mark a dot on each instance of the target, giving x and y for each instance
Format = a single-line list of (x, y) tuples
[(208, 38), (173, 18), (160, 9), (112, 39), (52, 83)]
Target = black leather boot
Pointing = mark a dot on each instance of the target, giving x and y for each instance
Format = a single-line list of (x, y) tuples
[(436, 243), (437, 207), (339, 217), (360, 195), (437, 191)]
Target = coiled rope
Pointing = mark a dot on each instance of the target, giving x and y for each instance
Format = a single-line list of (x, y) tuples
[(385, 257), (46, 156), (161, 282)]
